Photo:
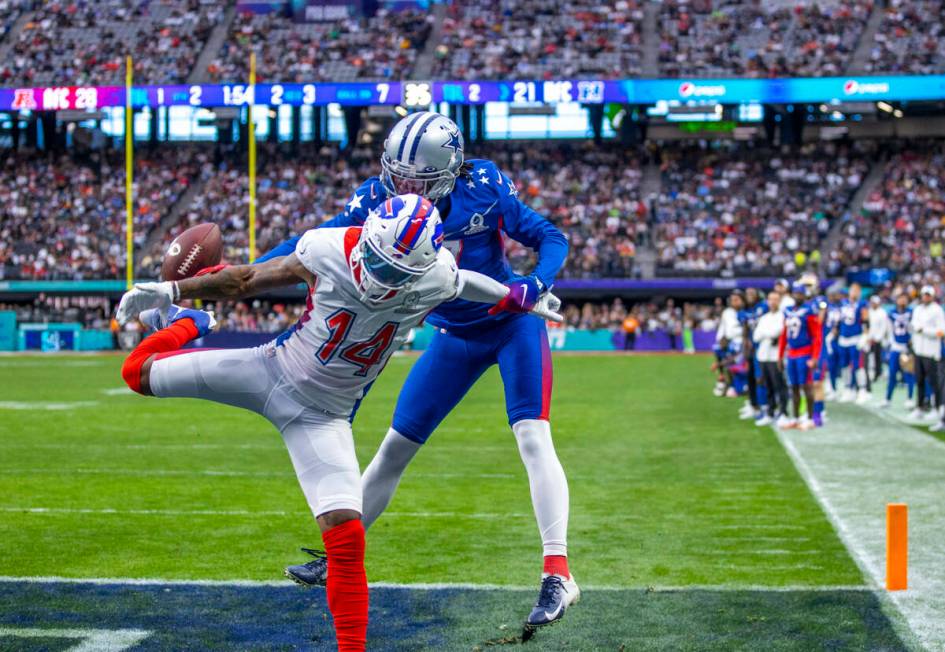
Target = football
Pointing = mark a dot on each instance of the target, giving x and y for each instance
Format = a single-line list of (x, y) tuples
[(198, 247)]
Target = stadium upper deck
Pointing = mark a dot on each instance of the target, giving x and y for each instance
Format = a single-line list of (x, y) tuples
[(81, 42)]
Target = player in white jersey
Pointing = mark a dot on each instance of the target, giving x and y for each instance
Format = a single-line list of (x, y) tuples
[(368, 286)]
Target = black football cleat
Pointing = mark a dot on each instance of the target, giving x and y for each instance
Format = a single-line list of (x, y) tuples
[(556, 595), (313, 573)]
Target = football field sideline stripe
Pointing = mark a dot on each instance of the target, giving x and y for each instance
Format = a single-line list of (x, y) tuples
[(853, 468), (242, 512), (431, 586)]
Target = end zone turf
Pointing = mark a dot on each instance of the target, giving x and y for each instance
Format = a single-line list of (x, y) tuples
[(219, 617)]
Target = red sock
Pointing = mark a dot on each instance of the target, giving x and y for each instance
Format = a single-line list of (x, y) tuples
[(557, 565), (168, 339), (347, 586)]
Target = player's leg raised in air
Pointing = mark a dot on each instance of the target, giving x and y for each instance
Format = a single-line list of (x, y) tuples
[(321, 446)]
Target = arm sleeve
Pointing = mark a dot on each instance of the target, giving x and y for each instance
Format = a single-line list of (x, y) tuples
[(524, 225), (474, 286), (813, 325)]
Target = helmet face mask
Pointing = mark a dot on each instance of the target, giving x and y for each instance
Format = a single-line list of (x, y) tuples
[(399, 243)]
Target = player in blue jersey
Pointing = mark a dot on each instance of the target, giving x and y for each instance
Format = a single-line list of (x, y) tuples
[(852, 340), (479, 205), (831, 352), (799, 352), (748, 317), (900, 319)]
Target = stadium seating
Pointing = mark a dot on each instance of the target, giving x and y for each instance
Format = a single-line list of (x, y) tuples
[(717, 211), (901, 223), (63, 218), (538, 39), (749, 39), (909, 39), (293, 193), (343, 50), (744, 211), (85, 42)]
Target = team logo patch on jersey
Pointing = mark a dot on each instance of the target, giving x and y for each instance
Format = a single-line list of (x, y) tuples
[(477, 224)]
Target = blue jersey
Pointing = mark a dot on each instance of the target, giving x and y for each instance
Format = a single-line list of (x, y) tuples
[(749, 317), (900, 326), (832, 318), (481, 209), (851, 317), (802, 330)]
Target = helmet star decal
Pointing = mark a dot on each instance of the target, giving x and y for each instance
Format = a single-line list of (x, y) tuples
[(454, 142)]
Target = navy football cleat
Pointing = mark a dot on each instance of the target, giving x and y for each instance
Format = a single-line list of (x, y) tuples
[(313, 573), (557, 594)]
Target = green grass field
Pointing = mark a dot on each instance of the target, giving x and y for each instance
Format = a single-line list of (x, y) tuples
[(668, 490)]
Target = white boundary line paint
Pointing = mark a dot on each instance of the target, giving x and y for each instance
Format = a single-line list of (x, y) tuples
[(853, 468), (241, 512), (92, 640), (46, 405), (428, 586)]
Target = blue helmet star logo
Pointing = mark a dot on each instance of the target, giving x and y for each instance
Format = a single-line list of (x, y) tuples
[(453, 143)]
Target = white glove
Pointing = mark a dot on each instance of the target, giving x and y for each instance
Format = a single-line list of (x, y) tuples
[(143, 297), (864, 343), (547, 307)]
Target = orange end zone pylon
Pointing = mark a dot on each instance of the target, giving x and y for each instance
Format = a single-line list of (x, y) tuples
[(897, 546)]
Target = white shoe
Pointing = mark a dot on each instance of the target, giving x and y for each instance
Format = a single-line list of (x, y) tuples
[(909, 404), (719, 389), (917, 414), (805, 424), (885, 404), (931, 415), (747, 412), (764, 421), (785, 422), (938, 427), (731, 393), (829, 394), (863, 397)]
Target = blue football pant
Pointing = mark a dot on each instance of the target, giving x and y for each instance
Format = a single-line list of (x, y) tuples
[(894, 371), (452, 364)]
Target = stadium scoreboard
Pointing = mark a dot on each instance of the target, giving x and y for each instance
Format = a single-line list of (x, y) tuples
[(425, 93)]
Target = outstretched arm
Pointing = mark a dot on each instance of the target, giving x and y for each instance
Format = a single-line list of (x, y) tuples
[(241, 281), (474, 286), (233, 282)]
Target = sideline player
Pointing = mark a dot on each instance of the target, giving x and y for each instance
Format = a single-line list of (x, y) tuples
[(853, 338), (367, 288), (479, 204), (900, 319), (801, 340), (831, 346), (755, 307)]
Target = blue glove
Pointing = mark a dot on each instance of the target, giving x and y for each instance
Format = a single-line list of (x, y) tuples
[(523, 294)]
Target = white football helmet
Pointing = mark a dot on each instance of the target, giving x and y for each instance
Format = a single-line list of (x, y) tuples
[(399, 243), (422, 155)]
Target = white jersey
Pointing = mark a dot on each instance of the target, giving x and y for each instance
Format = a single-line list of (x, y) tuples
[(340, 345)]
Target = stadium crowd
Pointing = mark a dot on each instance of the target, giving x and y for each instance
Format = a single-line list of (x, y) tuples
[(62, 218), (737, 210), (718, 211), (384, 46), (902, 223), (540, 39), (80, 42), (909, 39), (755, 39)]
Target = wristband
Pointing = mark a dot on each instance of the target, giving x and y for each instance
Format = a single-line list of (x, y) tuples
[(176, 291)]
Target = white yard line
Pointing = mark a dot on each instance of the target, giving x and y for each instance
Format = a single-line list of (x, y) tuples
[(428, 586), (90, 640), (243, 512), (854, 467)]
